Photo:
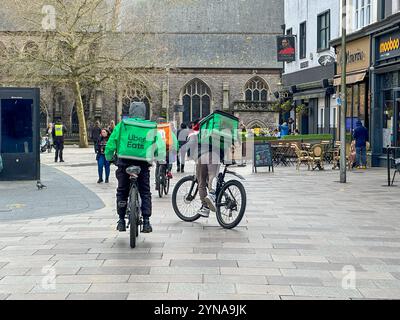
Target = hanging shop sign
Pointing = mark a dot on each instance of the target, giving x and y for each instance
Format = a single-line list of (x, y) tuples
[(389, 46)]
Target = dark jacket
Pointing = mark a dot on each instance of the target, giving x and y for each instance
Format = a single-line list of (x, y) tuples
[(101, 146), (95, 134), (360, 134)]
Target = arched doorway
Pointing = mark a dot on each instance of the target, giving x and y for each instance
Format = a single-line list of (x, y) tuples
[(196, 98), (135, 93)]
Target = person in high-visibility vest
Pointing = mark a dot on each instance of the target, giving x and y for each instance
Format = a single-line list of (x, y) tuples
[(58, 138)]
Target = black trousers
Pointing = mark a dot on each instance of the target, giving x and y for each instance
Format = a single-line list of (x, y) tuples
[(59, 147), (124, 184)]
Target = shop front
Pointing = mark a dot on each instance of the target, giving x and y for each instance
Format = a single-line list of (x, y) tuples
[(386, 81), (357, 78)]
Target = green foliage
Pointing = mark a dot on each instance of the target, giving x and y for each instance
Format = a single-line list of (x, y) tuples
[(301, 109), (309, 137)]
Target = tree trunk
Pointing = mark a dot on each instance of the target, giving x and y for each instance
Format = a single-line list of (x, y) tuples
[(83, 138)]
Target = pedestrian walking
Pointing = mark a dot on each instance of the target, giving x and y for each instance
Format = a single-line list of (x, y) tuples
[(102, 163), (360, 135), (49, 133), (95, 134), (111, 127), (58, 133)]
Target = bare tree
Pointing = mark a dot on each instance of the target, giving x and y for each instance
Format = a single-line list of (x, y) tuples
[(76, 44)]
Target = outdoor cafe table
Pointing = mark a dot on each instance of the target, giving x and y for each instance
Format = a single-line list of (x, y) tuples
[(282, 154)]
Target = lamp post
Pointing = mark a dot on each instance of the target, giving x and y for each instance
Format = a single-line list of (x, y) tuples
[(343, 178)]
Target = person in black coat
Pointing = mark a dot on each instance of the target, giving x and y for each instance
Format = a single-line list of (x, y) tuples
[(360, 135)]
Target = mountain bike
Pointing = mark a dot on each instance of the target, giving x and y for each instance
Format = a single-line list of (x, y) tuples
[(134, 212), (231, 199), (163, 180)]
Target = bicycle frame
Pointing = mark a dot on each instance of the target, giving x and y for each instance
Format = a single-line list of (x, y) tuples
[(134, 185)]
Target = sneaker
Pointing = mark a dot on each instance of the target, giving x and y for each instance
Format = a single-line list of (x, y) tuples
[(121, 227), (107, 180), (210, 199), (204, 212), (100, 181), (147, 228)]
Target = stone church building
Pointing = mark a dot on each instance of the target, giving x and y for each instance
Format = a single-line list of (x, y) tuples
[(221, 55)]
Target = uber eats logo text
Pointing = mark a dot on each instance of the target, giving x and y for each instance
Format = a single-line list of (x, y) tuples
[(135, 142)]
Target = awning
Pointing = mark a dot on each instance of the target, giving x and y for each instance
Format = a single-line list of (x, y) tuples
[(310, 94), (351, 78)]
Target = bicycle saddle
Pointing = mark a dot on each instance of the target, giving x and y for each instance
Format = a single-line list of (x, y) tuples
[(133, 170)]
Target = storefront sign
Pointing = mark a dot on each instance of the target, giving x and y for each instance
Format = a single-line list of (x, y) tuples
[(286, 48), (389, 46), (357, 55)]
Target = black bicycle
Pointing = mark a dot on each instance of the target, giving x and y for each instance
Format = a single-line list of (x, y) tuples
[(231, 199), (163, 180), (134, 212)]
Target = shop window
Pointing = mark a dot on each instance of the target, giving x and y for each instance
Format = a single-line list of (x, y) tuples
[(388, 118)]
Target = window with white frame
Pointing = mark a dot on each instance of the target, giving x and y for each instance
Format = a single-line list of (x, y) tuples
[(363, 10)]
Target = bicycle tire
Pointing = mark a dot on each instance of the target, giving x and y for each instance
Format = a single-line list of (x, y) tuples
[(133, 218), (174, 200), (219, 204), (167, 186), (161, 181)]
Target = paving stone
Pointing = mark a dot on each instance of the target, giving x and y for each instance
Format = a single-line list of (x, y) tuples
[(115, 271), (128, 288), (92, 279), (184, 270), (300, 281), (250, 271), (97, 296), (264, 289), (203, 263), (163, 296), (237, 297), (185, 278), (204, 288), (38, 296), (326, 292), (380, 293), (249, 279)]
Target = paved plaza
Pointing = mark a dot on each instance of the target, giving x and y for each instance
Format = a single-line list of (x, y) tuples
[(304, 236)]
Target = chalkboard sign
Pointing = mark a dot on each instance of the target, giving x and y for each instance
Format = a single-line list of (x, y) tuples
[(263, 156)]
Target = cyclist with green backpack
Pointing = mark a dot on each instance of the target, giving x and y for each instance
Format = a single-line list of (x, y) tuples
[(135, 142)]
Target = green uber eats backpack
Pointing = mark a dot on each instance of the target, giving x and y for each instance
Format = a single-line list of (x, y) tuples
[(220, 127), (137, 140)]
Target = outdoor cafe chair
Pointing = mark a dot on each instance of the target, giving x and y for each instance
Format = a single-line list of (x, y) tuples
[(317, 157), (303, 157)]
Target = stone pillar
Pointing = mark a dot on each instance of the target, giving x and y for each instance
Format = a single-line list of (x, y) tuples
[(99, 103), (118, 116), (225, 98)]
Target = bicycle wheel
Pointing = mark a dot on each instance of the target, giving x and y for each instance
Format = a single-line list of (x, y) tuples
[(167, 185), (133, 217), (161, 179), (231, 204), (185, 200)]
